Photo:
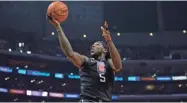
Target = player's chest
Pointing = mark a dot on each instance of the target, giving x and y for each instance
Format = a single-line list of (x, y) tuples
[(99, 71), (98, 67)]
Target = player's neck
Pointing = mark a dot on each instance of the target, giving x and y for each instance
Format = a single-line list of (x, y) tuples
[(102, 57)]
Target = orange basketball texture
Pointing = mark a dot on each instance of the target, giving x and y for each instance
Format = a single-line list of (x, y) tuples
[(59, 11)]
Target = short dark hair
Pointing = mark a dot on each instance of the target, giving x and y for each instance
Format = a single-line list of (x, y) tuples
[(107, 56)]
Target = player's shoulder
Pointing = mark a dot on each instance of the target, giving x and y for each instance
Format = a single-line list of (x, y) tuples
[(88, 61), (91, 60)]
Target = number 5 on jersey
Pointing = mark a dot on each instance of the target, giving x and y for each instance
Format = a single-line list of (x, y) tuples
[(102, 77)]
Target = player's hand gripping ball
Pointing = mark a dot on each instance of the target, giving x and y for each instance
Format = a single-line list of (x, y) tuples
[(58, 11)]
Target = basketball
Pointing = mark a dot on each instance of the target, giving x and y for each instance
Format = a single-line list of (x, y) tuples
[(59, 11)]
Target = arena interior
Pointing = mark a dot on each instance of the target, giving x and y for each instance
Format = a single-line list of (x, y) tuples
[(150, 36)]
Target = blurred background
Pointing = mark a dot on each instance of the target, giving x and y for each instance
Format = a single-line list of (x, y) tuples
[(150, 36)]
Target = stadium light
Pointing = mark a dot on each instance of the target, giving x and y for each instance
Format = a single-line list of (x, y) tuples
[(154, 75), (28, 52), (180, 85), (53, 33), (21, 51), (20, 44), (118, 34), (151, 34), (184, 31), (9, 50), (7, 78), (63, 84), (32, 81), (15, 99), (84, 35), (26, 66)]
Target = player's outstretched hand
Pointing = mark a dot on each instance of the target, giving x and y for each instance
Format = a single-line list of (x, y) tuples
[(105, 29), (106, 33), (51, 19)]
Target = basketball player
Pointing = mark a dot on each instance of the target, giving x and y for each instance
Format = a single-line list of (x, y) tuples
[(97, 72)]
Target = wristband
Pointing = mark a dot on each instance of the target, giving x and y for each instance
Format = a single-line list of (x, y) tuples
[(58, 30)]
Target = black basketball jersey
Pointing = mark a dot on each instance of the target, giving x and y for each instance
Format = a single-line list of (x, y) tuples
[(96, 79)]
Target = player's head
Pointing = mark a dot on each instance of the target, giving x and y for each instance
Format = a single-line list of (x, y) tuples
[(98, 49)]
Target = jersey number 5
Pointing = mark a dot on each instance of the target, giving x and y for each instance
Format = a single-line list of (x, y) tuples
[(102, 77)]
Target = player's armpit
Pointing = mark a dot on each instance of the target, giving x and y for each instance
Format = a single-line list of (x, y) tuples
[(112, 66), (77, 59)]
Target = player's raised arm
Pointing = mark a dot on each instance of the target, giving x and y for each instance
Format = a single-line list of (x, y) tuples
[(75, 57), (115, 60)]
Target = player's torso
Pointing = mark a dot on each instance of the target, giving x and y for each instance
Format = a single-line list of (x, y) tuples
[(97, 79)]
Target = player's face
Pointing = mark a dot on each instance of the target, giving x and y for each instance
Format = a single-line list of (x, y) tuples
[(97, 49)]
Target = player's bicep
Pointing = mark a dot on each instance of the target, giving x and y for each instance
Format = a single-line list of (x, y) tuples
[(112, 66), (77, 59)]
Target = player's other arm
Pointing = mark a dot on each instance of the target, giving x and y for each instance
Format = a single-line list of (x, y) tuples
[(115, 60), (76, 58)]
